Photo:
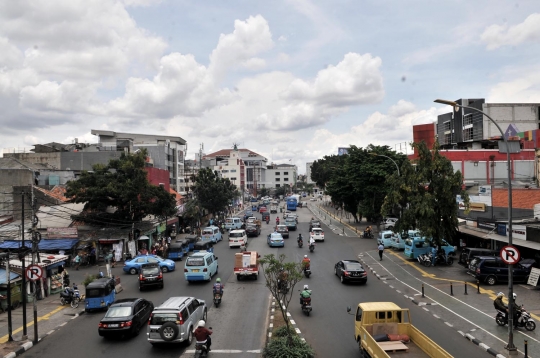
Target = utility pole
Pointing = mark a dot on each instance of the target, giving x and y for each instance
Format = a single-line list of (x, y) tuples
[(8, 280), (36, 238), (23, 267)]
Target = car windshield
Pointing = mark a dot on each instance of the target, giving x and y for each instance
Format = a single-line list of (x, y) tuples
[(154, 270), (195, 261), (282, 227), (353, 266), (276, 236), (290, 219), (229, 221), (236, 234), (119, 311), (317, 231), (207, 232)]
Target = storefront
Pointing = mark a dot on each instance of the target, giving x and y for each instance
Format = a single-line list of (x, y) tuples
[(105, 246), (51, 282)]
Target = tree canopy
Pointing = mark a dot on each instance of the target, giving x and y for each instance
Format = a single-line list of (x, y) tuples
[(213, 192), (357, 181), (121, 184), (426, 195)]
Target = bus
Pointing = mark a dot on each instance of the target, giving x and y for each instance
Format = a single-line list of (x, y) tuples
[(291, 203)]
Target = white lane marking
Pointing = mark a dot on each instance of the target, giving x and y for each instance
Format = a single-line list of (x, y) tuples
[(448, 309), (391, 286), (50, 332), (292, 321), (448, 324), (436, 316), (271, 325), (425, 309)]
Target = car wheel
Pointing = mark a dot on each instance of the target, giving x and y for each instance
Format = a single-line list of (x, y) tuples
[(189, 337), (164, 269), (335, 271), (205, 316), (140, 288), (169, 331), (136, 331), (491, 280), (342, 279), (133, 271)]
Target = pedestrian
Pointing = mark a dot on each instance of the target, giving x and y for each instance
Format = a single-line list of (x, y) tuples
[(113, 258), (381, 250), (169, 240), (434, 251), (93, 256), (77, 261)]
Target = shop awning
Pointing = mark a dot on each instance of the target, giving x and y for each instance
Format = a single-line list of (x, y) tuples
[(144, 238), (52, 244), (493, 236), (57, 244), (12, 276)]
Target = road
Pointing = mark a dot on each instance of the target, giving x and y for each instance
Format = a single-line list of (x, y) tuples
[(240, 322)]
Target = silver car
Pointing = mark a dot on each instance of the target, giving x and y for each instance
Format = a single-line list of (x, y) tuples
[(175, 320)]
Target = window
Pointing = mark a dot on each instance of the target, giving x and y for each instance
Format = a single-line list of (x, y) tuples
[(209, 260), (225, 171), (358, 314), (185, 315), (277, 179), (467, 119), (285, 173), (285, 179), (468, 134), (277, 173), (277, 185), (233, 170)]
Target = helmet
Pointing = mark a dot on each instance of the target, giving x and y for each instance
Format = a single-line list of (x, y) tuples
[(201, 323), (500, 294), (306, 287), (514, 296), (305, 256), (218, 280)]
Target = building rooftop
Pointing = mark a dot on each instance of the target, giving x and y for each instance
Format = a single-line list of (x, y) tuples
[(225, 153), (14, 163), (120, 135)]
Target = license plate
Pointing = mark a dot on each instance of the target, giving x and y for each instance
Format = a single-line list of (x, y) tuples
[(196, 270), (113, 326), (150, 279)]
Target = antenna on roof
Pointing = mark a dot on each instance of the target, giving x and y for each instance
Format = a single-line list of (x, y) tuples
[(235, 146)]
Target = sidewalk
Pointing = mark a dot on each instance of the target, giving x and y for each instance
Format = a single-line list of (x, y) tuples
[(51, 315)]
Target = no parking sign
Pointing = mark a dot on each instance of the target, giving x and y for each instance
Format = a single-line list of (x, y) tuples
[(510, 255)]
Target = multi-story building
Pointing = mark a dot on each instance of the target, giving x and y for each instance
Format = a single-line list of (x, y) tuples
[(253, 174), (281, 174), (468, 129)]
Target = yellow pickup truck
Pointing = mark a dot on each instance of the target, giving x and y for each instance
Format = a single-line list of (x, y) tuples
[(376, 323)]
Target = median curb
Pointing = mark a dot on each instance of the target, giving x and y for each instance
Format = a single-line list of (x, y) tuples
[(27, 345), (482, 345), (289, 317)]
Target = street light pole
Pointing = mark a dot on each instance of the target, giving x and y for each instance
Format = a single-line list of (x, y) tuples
[(381, 155), (510, 347)]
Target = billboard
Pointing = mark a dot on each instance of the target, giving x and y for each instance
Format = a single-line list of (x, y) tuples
[(62, 233), (343, 150)]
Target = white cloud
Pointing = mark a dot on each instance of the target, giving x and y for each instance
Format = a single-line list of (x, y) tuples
[(523, 88), (249, 38), (378, 129), (10, 55), (282, 38), (31, 140), (140, 2), (64, 97), (355, 80), (496, 36), (181, 87), (254, 64)]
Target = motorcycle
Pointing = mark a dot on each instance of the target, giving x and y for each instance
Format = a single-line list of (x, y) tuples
[(267, 221), (368, 234), (424, 259), (524, 319), (300, 243), (311, 247), (307, 272), (200, 348), (306, 305), (71, 296), (217, 299)]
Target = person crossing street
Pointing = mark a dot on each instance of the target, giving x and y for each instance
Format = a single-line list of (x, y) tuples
[(381, 251)]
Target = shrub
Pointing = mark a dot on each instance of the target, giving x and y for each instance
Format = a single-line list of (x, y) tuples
[(282, 331), (88, 279), (279, 347)]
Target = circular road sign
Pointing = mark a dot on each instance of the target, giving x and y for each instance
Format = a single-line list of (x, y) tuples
[(34, 272), (510, 255)]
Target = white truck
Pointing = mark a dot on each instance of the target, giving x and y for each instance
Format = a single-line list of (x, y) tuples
[(246, 264)]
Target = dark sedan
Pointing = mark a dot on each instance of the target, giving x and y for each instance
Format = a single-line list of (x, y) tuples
[(125, 317), (283, 230), (253, 230), (350, 271)]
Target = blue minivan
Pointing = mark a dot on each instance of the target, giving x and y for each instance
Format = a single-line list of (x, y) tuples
[(211, 233), (416, 246)]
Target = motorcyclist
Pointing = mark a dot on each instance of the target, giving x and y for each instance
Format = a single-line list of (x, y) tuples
[(311, 241), (516, 310), (300, 239), (306, 263), (202, 334), (306, 293), (369, 231), (218, 287), (500, 306), (268, 219), (277, 220)]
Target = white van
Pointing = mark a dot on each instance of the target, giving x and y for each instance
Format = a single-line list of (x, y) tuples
[(237, 238)]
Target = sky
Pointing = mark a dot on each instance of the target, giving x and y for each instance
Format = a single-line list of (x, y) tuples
[(292, 80)]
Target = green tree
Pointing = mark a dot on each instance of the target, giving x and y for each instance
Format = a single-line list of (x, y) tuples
[(213, 192), (282, 190), (122, 184), (264, 191), (272, 269), (427, 194)]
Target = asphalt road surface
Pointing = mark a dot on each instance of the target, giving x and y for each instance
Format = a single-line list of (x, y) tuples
[(240, 322)]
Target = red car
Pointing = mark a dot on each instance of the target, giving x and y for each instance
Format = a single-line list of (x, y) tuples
[(262, 209)]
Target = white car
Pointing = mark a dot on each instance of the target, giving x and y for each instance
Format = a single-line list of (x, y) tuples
[(237, 238), (250, 220), (317, 234), (389, 223)]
